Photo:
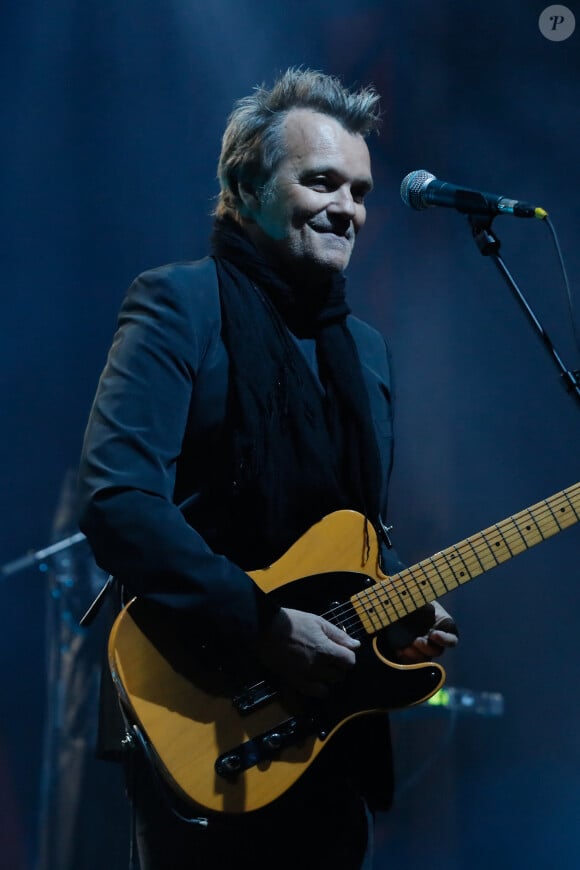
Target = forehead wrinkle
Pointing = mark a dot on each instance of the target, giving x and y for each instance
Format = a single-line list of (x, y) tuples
[(319, 148)]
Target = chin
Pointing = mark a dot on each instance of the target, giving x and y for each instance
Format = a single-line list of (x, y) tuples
[(335, 264), (321, 263)]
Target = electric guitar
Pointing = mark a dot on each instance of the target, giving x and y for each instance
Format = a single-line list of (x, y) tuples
[(233, 745)]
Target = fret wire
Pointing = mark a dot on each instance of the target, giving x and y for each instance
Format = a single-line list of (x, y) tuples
[(448, 559), (417, 597), (434, 560), (371, 613), (426, 581), (494, 545), (373, 594), (509, 531), (418, 585), (438, 585), (470, 558), (517, 533), (569, 500), (475, 547), (383, 586), (373, 599), (553, 513), (556, 518), (537, 525), (504, 536), (403, 596)]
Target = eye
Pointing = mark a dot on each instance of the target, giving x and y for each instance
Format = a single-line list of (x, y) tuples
[(359, 193), (321, 183)]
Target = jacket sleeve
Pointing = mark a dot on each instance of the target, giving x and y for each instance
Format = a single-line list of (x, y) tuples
[(132, 443)]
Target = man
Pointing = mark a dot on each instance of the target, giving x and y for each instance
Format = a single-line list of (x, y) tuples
[(241, 403)]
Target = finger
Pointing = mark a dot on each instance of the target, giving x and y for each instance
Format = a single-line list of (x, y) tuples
[(421, 650), (447, 624), (429, 647), (442, 638), (339, 636)]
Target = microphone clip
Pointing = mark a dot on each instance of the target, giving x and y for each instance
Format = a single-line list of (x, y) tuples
[(486, 240)]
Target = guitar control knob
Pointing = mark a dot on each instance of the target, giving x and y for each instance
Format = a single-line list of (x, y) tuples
[(273, 741), (229, 764)]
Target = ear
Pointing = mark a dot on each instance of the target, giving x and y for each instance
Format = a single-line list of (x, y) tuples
[(249, 199)]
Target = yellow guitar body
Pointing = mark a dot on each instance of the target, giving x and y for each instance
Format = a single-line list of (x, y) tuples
[(189, 727), (235, 748)]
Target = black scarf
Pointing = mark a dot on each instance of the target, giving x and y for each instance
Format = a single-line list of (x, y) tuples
[(296, 454)]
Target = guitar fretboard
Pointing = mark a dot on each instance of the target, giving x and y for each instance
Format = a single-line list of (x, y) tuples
[(403, 593)]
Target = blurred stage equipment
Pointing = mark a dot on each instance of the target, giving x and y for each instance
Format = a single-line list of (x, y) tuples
[(83, 818)]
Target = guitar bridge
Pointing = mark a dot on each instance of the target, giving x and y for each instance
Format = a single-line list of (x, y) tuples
[(265, 746)]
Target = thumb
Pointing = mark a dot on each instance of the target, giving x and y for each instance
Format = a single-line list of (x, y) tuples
[(340, 636)]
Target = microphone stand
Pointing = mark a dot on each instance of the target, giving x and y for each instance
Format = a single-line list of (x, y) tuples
[(489, 245), (40, 556)]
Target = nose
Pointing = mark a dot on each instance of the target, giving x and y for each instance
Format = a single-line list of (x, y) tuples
[(342, 202)]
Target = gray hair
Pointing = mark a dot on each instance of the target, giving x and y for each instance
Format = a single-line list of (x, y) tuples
[(252, 144)]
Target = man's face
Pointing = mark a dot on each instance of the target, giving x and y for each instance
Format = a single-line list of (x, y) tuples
[(310, 211)]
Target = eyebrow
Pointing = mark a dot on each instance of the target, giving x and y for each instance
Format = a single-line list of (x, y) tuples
[(365, 181)]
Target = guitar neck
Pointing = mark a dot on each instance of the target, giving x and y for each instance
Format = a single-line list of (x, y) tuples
[(387, 601)]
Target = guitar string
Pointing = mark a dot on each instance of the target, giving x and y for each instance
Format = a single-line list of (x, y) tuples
[(509, 532), (537, 517), (346, 616), (516, 523), (484, 543)]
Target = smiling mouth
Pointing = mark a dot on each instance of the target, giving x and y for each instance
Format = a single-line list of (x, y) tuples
[(335, 237), (327, 231)]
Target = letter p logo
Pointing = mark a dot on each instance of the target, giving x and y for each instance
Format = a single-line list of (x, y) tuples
[(557, 23)]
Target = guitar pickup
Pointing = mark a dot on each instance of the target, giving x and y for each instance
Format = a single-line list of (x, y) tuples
[(265, 746), (253, 697)]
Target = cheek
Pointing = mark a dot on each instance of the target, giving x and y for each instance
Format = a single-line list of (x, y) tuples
[(303, 207), (274, 220), (299, 217)]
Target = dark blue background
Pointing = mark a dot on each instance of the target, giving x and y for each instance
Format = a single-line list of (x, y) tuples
[(111, 117)]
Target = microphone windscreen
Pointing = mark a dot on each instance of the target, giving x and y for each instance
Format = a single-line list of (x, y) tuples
[(413, 187)]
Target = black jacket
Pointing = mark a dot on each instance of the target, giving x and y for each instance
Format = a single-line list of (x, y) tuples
[(155, 440)]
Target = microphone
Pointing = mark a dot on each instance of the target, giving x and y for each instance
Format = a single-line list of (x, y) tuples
[(420, 189)]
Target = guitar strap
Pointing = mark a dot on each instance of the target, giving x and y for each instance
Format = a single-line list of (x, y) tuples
[(88, 618)]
